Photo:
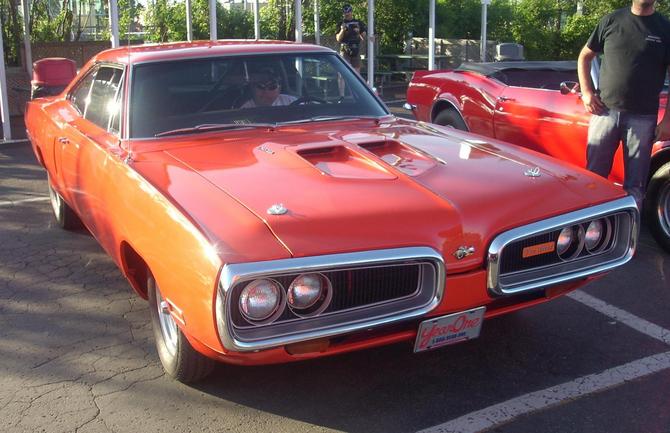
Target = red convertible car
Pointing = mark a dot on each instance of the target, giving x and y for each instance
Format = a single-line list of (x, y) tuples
[(268, 206), (535, 105)]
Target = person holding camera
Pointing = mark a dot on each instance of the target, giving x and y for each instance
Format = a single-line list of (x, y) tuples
[(350, 35)]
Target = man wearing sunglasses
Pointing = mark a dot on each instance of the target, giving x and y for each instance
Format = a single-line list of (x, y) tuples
[(266, 91)]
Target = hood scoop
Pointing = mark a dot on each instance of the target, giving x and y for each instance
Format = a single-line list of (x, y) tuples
[(402, 157), (343, 162)]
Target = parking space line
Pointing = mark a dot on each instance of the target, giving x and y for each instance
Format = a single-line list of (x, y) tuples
[(508, 410), (25, 200), (640, 325)]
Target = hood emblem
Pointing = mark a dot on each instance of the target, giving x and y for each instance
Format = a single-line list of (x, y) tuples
[(277, 209), (533, 172), (463, 252), (266, 149)]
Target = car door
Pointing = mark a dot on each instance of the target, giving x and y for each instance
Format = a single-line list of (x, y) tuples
[(89, 150), (543, 119)]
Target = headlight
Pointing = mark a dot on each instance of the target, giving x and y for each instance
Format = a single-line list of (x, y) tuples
[(309, 294), (570, 242), (564, 241), (261, 300), (594, 234)]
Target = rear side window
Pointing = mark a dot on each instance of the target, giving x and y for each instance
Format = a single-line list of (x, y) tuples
[(103, 102)]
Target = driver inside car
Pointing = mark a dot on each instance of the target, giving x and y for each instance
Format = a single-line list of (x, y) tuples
[(266, 91)]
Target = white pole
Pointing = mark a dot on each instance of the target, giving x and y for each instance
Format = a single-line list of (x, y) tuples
[(114, 22), (257, 21), (482, 48), (26, 37), (212, 20), (6, 127), (317, 24), (431, 36), (189, 22), (298, 21), (371, 43)]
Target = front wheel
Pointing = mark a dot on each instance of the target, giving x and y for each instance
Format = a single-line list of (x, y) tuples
[(658, 206), (178, 357)]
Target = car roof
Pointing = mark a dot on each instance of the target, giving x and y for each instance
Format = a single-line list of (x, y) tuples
[(491, 68), (196, 49)]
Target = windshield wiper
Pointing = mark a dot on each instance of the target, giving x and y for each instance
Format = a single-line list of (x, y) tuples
[(326, 118), (206, 127)]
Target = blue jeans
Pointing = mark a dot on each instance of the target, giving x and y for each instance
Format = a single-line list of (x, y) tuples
[(636, 132)]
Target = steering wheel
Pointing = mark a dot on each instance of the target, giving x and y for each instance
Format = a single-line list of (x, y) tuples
[(307, 100)]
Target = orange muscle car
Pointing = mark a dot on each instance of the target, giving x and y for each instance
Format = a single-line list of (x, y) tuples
[(270, 209)]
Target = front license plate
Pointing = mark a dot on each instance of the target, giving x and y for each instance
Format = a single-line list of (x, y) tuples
[(451, 329)]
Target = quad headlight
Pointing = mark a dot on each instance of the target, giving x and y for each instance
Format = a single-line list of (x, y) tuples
[(262, 300), (309, 294)]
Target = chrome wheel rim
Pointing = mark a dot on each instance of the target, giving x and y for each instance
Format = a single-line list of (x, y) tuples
[(55, 200), (169, 328), (663, 208)]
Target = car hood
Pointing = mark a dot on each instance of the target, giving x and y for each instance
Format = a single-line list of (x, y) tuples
[(331, 188)]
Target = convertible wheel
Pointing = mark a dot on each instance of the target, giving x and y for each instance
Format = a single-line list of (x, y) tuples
[(451, 118), (658, 205), (63, 213), (178, 357)]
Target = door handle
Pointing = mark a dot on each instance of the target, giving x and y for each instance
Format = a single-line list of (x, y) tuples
[(505, 98), (63, 140)]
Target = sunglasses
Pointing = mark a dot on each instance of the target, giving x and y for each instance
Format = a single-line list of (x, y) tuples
[(270, 85)]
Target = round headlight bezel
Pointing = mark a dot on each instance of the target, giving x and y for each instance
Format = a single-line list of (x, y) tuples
[(275, 312), (576, 245), (603, 240), (319, 304)]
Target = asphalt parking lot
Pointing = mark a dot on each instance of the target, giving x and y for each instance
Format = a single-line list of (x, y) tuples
[(77, 354)]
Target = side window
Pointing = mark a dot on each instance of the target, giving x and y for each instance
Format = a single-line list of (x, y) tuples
[(103, 102), (79, 96)]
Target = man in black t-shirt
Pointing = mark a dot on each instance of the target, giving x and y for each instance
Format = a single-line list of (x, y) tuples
[(635, 42), (351, 33)]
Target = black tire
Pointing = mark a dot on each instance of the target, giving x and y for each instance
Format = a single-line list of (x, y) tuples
[(63, 213), (450, 117), (177, 356), (657, 204)]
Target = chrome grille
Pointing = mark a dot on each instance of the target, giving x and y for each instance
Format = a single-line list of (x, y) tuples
[(352, 288), (510, 273), (369, 289)]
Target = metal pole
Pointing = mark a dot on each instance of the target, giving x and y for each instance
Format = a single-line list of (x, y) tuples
[(26, 37), (482, 48), (114, 22), (189, 22), (257, 21), (371, 43), (6, 127), (298, 21), (317, 24), (212, 20), (431, 36)]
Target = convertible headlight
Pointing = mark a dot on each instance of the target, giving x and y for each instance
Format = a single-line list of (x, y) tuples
[(262, 301), (309, 294)]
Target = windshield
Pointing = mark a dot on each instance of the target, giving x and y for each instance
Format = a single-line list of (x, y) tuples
[(182, 95)]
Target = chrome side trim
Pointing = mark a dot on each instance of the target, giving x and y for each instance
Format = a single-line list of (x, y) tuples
[(624, 205), (233, 274)]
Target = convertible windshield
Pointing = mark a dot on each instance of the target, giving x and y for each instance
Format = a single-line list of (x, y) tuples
[(174, 97)]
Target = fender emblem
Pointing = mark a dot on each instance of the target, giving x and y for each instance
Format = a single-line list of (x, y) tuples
[(463, 252), (533, 172)]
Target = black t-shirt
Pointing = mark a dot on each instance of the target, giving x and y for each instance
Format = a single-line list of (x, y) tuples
[(636, 57), (350, 36)]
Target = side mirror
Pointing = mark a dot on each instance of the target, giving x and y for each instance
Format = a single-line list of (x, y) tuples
[(569, 88), (409, 107)]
